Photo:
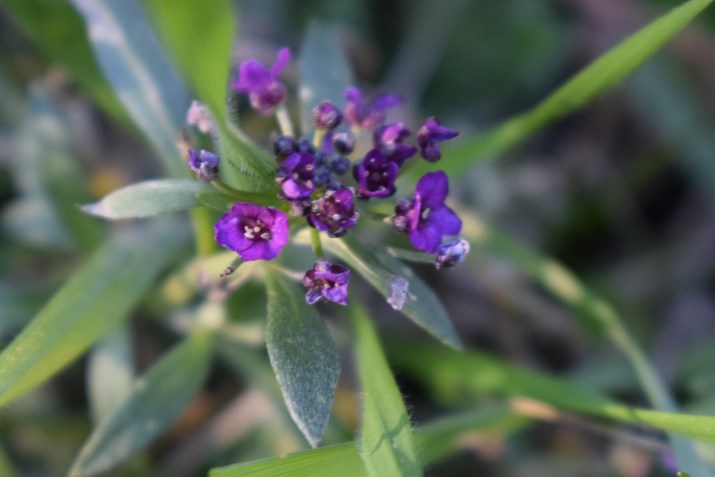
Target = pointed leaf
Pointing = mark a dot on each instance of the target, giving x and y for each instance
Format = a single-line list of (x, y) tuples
[(324, 71), (92, 302), (303, 357), (379, 269), (149, 198), (603, 74), (136, 65), (386, 443), (156, 401)]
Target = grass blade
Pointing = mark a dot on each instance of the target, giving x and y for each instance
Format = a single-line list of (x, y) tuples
[(603, 74), (93, 301), (155, 402), (386, 443)]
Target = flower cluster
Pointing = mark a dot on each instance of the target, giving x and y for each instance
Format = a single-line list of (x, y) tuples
[(312, 180)]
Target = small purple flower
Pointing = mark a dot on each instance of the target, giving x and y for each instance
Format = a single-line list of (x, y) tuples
[(296, 176), (204, 164), (426, 218), (452, 253), (252, 231), (389, 139), (334, 213), (375, 175), (367, 115), (261, 84), (326, 116), (328, 281), (430, 135)]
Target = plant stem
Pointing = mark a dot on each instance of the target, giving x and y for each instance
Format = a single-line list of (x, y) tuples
[(318, 138), (284, 122), (315, 241)]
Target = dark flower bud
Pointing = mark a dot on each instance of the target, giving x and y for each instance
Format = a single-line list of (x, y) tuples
[(304, 145), (284, 146), (204, 164), (344, 142), (430, 135), (322, 176), (452, 253), (340, 165), (334, 184), (326, 116)]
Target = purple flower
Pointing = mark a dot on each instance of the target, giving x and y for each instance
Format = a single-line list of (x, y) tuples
[(261, 84), (296, 176), (452, 253), (375, 175), (204, 164), (389, 140), (426, 218), (367, 115), (252, 231), (430, 135), (326, 116), (343, 142), (327, 281), (334, 213)]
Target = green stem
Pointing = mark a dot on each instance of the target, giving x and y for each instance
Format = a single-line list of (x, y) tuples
[(284, 122), (318, 138), (315, 241), (201, 222)]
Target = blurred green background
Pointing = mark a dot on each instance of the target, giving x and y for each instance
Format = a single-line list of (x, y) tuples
[(622, 192)]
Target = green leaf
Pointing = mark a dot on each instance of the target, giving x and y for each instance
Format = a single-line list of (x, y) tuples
[(97, 297), (603, 74), (156, 401), (215, 200), (434, 441), (302, 355), (149, 198), (593, 310), (459, 378), (386, 443), (110, 373), (135, 64), (324, 71), (6, 467), (379, 269), (199, 38)]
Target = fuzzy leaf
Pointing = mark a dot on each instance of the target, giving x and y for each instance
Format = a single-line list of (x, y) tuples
[(110, 373), (302, 355), (379, 269), (149, 198)]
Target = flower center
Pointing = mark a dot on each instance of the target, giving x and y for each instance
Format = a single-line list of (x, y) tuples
[(257, 230)]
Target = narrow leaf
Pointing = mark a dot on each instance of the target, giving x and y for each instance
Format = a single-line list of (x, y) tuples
[(386, 443), (149, 198), (434, 441), (379, 268), (155, 402), (324, 71), (302, 355), (460, 378), (110, 372), (603, 74), (93, 301), (137, 67)]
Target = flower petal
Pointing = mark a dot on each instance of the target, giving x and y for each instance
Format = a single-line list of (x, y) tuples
[(281, 61), (433, 188)]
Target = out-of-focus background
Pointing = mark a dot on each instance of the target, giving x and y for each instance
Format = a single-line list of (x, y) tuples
[(622, 192)]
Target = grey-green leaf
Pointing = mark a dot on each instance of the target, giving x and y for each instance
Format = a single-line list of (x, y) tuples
[(110, 372), (155, 402), (387, 446), (600, 76), (93, 301), (324, 71), (135, 64), (379, 268), (149, 198), (302, 355)]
